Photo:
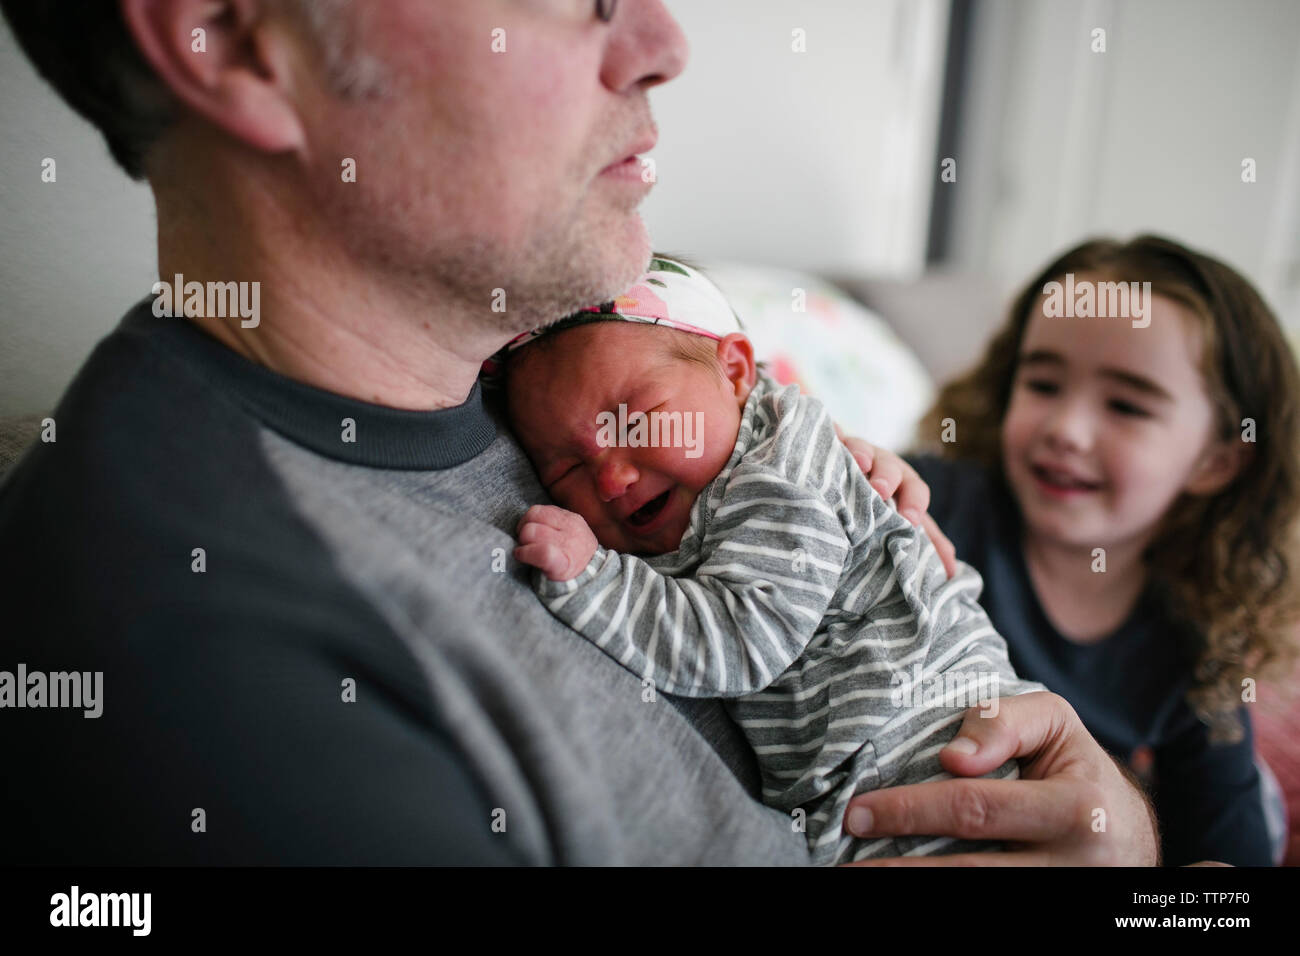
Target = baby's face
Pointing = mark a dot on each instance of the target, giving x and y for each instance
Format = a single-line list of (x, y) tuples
[(564, 407)]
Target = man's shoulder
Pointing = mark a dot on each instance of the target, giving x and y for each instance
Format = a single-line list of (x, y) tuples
[(137, 437), (130, 383), (146, 482)]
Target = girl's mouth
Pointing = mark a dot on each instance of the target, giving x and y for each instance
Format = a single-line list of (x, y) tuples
[(645, 516), (1059, 483)]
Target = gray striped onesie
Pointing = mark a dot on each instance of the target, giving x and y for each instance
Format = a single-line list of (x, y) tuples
[(821, 616)]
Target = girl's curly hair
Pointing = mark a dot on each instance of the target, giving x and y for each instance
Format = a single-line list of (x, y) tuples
[(1226, 563)]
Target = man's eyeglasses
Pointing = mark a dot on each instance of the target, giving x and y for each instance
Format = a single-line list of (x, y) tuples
[(605, 10)]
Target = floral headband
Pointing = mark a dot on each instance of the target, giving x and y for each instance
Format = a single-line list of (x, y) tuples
[(669, 293)]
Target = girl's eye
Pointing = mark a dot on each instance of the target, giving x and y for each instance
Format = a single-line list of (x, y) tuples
[(1128, 408), (1041, 386)]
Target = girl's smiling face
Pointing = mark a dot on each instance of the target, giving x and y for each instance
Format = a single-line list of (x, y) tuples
[(637, 500), (1107, 424)]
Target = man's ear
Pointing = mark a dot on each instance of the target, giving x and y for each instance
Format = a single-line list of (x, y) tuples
[(736, 358), (227, 61), (1219, 466)]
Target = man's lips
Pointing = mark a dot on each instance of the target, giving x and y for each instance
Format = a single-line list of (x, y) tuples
[(630, 160), (629, 169)]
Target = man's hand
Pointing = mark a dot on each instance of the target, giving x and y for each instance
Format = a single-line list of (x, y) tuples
[(556, 541), (893, 477), (1072, 806)]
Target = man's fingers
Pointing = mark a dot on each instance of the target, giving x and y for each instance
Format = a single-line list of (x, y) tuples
[(913, 495), (1027, 811), (886, 473), (864, 453), (947, 552), (1028, 724)]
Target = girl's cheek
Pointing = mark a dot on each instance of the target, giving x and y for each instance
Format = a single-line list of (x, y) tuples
[(1138, 473), (1017, 430)]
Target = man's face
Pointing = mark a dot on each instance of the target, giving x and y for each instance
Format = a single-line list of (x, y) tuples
[(486, 165)]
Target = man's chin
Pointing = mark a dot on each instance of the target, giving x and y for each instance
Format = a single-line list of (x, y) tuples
[(603, 265), (628, 265)]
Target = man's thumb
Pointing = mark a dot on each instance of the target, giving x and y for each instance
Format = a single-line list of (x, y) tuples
[(989, 736)]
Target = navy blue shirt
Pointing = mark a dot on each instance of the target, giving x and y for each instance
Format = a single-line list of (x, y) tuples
[(1129, 688)]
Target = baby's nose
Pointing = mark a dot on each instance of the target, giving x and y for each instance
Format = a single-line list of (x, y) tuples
[(614, 477)]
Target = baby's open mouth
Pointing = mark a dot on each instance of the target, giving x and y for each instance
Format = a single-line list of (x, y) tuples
[(648, 511)]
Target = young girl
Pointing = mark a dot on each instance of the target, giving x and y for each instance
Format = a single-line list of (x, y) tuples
[(1128, 485)]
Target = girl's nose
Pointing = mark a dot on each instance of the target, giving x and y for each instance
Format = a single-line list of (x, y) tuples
[(1071, 426), (614, 476)]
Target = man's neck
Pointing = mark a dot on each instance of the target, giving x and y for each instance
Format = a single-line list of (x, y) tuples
[(364, 346), (323, 319)]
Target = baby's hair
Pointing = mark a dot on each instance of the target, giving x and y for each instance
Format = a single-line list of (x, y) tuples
[(1227, 562), (699, 349)]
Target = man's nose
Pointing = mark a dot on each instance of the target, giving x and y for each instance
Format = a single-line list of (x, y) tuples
[(646, 47), (614, 476)]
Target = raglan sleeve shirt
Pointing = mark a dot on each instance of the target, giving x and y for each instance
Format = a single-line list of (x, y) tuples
[(771, 553)]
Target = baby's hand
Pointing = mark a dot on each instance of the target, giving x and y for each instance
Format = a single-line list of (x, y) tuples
[(556, 541)]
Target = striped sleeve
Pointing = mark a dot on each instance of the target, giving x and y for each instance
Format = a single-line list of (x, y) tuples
[(771, 561)]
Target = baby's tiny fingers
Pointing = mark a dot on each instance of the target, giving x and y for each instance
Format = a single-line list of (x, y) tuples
[(533, 531), (550, 515), (526, 554), (546, 557)]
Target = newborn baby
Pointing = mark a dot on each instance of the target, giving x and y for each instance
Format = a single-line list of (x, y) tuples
[(714, 537)]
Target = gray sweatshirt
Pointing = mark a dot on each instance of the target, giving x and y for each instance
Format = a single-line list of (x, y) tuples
[(316, 647)]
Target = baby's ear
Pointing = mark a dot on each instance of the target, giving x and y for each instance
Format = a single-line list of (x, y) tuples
[(736, 359), (1219, 466)]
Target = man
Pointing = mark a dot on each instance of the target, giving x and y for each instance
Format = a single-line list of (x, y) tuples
[(282, 539)]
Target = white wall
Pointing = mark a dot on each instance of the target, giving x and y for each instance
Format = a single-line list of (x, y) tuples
[(821, 159), (1063, 143), (74, 254)]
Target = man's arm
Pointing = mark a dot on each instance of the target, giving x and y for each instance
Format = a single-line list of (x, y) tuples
[(230, 739)]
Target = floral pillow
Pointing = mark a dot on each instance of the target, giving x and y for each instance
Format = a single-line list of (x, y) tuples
[(810, 332)]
